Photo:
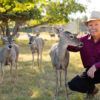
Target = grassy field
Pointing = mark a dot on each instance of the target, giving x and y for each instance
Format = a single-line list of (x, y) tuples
[(34, 83)]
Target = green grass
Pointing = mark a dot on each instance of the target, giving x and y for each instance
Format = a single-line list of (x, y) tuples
[(34, 83)]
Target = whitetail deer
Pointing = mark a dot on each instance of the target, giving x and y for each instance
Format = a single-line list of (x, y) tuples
[(9, 55), (60, 55), (36, 45)]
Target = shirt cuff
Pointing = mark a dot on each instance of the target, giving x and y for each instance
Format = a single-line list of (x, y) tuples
[(97, 65)]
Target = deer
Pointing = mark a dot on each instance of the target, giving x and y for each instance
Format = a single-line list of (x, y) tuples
[(36, 44), (9, 54), (60, 56)]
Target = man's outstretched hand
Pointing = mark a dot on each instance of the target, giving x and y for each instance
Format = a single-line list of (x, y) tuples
[(91, 71)]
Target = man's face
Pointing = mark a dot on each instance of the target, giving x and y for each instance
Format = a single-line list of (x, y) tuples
[(94, 27)]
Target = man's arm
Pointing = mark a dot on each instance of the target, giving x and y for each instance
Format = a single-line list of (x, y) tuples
[(73, 49), (92, 69), (97, 65)]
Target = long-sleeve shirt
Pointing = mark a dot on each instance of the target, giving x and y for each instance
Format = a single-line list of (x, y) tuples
[(90, 52)]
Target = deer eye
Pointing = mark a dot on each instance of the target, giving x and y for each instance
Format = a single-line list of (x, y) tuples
[(71, 36)]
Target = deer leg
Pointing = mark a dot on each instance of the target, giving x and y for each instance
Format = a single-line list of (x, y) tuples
[(66, 92), (2, 73), (32, 60), (11, 70), (41, 57), (14, 70), (56, 93), (16, 64), (60, 72), (38, 59), (16, 73)]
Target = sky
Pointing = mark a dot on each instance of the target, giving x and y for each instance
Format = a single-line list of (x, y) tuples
[(91, 5)]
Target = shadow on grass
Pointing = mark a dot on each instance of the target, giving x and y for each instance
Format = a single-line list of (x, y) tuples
[(33, 84)]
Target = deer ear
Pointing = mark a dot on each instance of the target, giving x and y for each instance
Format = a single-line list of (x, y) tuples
[(17, 35), (29, 35), (59, 30), (37, 34), (4, 38), (56, 30), (75, 35)]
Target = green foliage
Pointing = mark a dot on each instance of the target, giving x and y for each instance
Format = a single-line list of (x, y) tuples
[(2, 10), (15, 9), (39, 11), (59, 11), (33, 9)]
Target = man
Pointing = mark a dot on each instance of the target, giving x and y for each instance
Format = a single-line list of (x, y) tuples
[(90, 55)]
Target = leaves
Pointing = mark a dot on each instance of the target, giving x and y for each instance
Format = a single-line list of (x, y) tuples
[(40, 11), (60, 11), (33, 9)]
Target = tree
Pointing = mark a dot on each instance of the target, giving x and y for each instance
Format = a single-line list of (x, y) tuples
[(14, 13), (82, 26)]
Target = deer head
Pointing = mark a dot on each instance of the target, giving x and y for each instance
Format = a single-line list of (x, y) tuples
[(67, 38)]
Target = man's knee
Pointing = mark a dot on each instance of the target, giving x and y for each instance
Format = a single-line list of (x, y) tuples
[(72, 84), (77, 84)]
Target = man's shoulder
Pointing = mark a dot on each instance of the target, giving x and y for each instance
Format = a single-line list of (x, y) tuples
[(84, 36)]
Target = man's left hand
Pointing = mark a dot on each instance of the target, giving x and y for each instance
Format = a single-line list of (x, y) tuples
[(91, 71)]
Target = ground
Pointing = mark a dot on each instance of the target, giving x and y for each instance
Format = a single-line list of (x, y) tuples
[(36, 83)]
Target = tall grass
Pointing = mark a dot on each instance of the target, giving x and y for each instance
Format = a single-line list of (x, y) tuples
[(37, 83)]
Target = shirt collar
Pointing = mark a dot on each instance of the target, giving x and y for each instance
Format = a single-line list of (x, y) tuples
[(90, 38)]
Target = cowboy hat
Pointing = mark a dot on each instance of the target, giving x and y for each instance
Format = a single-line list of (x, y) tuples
[(95, 15)]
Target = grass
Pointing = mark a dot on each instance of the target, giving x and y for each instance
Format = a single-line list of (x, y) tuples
[(34, 83)]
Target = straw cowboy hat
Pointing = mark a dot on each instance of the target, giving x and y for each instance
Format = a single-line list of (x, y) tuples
[(95, 15)]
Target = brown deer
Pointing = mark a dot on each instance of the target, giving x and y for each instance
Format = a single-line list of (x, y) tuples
[(9, 55), (60, 55), (36, 44)]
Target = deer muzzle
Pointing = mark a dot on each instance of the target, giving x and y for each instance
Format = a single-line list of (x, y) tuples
[(81, 45), (10, 46)]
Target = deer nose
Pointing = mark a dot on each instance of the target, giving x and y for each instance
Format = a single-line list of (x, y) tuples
[(10, 46), (81, 44), (30, 43)]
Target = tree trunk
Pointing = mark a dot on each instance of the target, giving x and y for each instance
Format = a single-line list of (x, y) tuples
[(7, 30), (16, 28)]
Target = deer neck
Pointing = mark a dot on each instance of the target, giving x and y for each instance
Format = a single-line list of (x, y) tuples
[(62, 49)]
